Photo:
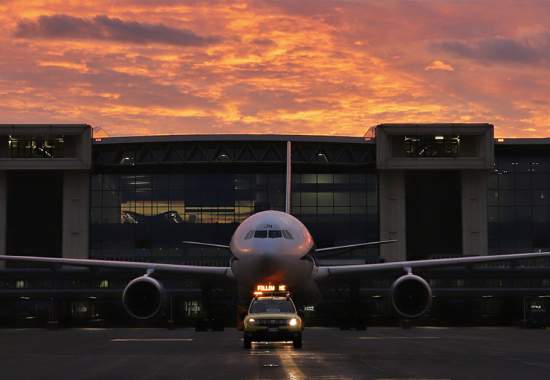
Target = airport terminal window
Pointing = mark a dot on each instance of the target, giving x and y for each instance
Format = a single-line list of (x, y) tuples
[(519, 203), (146, 216), (338, 208), (142, 215), (104, 284), (431, 146), (36, 146)]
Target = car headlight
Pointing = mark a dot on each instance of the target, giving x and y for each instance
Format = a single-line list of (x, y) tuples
[(293, 322), (251, 320)]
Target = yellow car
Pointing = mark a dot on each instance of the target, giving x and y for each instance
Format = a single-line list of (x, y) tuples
[(272, 318)]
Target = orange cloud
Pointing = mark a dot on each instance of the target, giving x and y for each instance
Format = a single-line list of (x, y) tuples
[(439, 65), (310, 67)]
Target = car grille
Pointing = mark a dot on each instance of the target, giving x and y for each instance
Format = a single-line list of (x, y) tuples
[(271, 322)]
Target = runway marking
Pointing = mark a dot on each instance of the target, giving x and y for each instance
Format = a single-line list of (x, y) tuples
[(433, 328), (396, 337), (93, 329), (152, 340)]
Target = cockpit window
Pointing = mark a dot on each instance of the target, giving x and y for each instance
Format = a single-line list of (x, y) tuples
[(275, 234), (287, 235), (272, 234), (262, 234)]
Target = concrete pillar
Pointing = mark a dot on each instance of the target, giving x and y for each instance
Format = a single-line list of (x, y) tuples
[(75, 214), (392, 214), (3, 215), (474, 212)]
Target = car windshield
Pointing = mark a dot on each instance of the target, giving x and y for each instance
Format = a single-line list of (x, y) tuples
[(272, 306)]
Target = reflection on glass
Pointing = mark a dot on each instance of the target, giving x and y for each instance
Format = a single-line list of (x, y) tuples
[(144, 214), (518, 212), (36, 146)]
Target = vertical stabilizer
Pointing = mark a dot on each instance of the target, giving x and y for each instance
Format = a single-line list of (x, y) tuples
[(288, 176)]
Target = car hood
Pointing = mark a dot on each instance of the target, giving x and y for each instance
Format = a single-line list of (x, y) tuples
[(273, 315)]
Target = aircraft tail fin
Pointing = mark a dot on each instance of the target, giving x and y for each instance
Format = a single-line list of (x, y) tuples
[(288, 190)]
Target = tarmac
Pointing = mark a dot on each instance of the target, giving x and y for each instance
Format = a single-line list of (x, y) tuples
[(376, 353)]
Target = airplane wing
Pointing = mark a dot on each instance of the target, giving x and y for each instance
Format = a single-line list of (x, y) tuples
[(205, 244), (342, 247), (188, 269), (337, 270)]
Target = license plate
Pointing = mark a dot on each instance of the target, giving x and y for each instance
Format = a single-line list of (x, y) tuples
[(272, 329)]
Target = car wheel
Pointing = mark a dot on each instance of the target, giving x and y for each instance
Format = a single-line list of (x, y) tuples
[(247, 343)]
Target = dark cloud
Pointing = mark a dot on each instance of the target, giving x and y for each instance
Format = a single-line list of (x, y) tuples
[(263, 42), (500, 49), (109, 29)]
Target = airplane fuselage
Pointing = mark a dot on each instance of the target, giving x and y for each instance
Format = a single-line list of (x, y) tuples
[(272, 247)]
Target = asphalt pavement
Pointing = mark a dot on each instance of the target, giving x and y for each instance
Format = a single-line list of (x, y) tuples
[(377, 353)]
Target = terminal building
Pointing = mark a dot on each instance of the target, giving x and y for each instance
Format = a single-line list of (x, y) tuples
[(440, 190)]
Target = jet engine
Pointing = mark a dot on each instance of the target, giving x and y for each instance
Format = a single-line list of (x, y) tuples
[(411, 296), (143, 297)]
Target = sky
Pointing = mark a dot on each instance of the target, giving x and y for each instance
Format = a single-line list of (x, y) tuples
[(324, 67)]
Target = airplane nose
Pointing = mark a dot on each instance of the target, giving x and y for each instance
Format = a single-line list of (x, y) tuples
[(268, 262), (265, 264), (268, 256)]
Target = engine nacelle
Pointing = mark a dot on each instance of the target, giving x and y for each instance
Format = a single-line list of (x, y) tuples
[(143, 297), (411, 296)]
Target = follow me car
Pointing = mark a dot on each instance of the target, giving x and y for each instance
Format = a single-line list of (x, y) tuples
[(272, 318)]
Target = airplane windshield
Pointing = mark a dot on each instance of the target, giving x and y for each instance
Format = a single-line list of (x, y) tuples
[(272, 234), (272, 306), (262, 234), (275, 234)]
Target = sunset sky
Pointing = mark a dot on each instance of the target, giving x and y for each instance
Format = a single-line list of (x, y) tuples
[(289, 66)]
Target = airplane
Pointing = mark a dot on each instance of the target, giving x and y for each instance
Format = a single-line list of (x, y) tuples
[(274, 247)]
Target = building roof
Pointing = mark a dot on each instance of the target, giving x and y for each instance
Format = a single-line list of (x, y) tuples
[(229, 137)]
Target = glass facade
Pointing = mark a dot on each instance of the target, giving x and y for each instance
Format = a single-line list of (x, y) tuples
[(430, 146), (337, 208), (147, 216), (36, 147), (519, 201), (146, 198)]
